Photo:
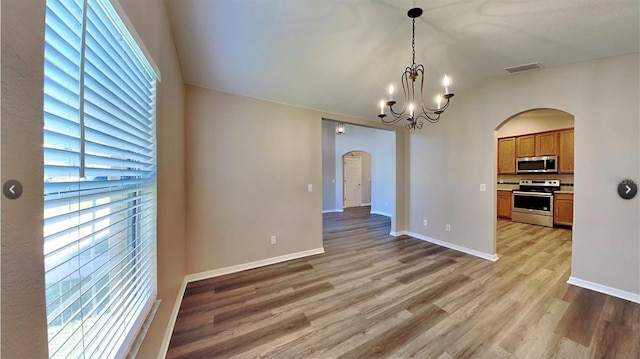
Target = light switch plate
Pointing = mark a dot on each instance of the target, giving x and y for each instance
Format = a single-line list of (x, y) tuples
[(483, 187), (310, 187)]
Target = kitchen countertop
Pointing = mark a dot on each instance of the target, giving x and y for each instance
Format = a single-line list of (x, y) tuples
[(505, 189)]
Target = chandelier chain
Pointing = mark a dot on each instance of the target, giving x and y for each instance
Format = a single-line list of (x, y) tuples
[(413, 42)]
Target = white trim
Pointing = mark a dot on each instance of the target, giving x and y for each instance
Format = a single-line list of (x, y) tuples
[(218, 272), (164, 347), (399, 233), (633, 297), (473, 252), (137, 332), (381, 213), (261, 263), (132, 352), (332, 211), (135, 36), (365, 204)]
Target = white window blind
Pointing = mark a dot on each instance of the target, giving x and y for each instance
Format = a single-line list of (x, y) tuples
[(99, 181)]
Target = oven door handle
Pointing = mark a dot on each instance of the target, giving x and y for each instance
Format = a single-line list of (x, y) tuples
[(533, 194)]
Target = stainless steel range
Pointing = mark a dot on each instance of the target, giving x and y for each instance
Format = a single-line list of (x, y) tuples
[(533, 202)]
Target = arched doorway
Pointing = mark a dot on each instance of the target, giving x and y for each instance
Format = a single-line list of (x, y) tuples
[(534, 209)]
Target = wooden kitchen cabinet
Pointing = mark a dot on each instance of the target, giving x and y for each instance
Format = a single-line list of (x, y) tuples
[(563, 209), (504, 204), (565, 153), (547, 144), (525, 146), (507, 155)]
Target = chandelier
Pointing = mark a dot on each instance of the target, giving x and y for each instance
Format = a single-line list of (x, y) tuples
[(412, 112)]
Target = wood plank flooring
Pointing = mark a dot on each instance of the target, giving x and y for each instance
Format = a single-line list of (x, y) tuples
[(375, 296)]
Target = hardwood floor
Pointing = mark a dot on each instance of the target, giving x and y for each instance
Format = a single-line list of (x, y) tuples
[(375, 296)]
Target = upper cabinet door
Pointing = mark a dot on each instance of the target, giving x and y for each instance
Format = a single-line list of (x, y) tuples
[(547, 144), (565, 155), (525, 146), (507, 155)]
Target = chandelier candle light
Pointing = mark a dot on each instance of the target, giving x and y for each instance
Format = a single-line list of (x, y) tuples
[(409, 111)]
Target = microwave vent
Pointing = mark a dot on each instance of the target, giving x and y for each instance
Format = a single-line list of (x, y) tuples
[(523, 68)]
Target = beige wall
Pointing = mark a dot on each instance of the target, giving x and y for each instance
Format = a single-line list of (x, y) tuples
[(248, 166), (149, 17), (24, 328), (450, 160), (249, 163), (24, 333)]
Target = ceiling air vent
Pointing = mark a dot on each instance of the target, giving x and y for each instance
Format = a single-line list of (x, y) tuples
[(525, 67)]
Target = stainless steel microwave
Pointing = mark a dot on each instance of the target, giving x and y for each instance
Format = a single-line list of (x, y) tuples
[(545, 164)]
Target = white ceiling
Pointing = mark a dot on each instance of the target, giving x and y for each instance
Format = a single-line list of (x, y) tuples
[(339, 56)]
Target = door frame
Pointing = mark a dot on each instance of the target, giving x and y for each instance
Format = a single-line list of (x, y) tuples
[(398, 196), (495, 173)]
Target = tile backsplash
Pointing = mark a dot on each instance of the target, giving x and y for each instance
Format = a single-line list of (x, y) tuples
[(511, 181)]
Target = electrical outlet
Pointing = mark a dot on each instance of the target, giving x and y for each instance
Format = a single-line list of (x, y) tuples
[(448, 227), (424, 222), (309, 187), (273, 239)]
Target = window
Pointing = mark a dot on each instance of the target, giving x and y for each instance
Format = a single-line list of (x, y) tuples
[(99, 181)]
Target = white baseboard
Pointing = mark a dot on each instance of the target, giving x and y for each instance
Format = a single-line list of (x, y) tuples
[(633, 297), (172, 320), (473, 252), (381, 213), (398, 233), (261, 263), (222, 271), (331, 210)]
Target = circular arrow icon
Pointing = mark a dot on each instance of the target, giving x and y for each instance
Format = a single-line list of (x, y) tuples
[(12, 189), (627, 189)]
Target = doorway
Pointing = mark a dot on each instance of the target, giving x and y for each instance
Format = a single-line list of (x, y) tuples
[(528, 136), (377, 149)]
